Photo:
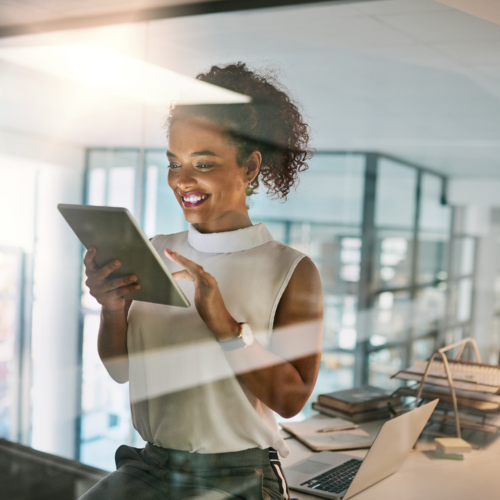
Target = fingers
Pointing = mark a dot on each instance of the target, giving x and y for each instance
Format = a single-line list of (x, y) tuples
[(112, 295), (183, 275), (106, 270), (97, 279), (88, 261), (124, 290), (190, 266), (118, 283)]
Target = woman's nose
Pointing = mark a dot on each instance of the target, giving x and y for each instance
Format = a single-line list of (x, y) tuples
[(186, 180)]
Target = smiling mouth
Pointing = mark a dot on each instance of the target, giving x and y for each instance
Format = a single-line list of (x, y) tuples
[(191, 200)]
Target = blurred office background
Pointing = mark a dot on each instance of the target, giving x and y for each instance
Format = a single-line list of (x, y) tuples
[(399, 209)]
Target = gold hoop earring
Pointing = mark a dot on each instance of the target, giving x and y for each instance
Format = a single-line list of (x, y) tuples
[(249, 190)]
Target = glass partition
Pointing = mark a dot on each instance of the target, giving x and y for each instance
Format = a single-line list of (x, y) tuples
[(324, 219)]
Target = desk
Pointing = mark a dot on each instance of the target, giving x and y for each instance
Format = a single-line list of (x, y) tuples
[(423, 477)]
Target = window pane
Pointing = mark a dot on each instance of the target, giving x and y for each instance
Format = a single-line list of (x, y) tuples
[(113, 178), (422, 349), (433, 215), (330, 191), (432, 257), (393, 259), (392, 317), (382, 365), (336, 251), (430, 306), (340, 322), (434, 231), (122, 188), (97, 187), (395, 197)]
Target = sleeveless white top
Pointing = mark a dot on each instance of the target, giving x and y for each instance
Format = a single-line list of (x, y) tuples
[(184, 395)]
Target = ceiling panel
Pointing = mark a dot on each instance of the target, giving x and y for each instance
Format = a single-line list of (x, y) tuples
[(472, 53), (443, 26), (399, 7)]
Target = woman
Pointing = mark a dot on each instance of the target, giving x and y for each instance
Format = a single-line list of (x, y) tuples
[(205, 381)]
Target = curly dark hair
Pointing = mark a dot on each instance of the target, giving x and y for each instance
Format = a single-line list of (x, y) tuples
[(271, 123)]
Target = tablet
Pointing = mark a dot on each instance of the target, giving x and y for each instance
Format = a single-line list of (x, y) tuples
[(116, 235)]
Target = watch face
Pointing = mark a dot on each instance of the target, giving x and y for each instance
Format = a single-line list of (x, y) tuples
[(246, 334)]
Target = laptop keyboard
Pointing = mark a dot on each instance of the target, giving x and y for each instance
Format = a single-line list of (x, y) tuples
[(335, 480)]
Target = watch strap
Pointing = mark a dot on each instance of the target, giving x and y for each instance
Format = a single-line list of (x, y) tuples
[(231, 345)]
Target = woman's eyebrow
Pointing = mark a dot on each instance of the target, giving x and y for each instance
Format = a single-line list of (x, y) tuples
[(203, 153), (171, 155)]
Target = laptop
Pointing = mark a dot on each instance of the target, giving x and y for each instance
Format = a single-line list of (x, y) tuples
[(337, 475)]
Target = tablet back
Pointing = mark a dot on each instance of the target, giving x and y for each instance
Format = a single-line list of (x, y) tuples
[(116, 235)]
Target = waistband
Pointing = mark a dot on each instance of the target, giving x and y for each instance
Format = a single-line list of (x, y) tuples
[(166, 457)]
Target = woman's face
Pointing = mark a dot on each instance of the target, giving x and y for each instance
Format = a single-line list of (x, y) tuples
[(205, 176)]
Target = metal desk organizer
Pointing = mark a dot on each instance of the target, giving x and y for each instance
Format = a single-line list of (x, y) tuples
[(478, 385)]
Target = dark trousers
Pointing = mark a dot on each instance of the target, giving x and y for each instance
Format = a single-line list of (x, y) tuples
[(155, 473)]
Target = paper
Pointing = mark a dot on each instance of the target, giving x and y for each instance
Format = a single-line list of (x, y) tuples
[(313, 426)]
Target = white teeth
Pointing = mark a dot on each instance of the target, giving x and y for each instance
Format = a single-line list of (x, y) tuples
[(195, 199)]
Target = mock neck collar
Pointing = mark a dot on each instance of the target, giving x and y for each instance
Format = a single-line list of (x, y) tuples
[(229, 241)]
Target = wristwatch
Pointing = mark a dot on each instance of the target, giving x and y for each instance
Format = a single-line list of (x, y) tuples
[(244, 339)]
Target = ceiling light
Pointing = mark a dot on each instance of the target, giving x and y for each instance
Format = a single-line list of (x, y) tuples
[(112, 71)]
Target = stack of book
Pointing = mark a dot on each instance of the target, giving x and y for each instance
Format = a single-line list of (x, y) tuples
[(452, 448), (358, 405)]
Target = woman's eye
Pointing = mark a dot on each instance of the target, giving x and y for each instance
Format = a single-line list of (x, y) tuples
[(173, 166), (204, 166)]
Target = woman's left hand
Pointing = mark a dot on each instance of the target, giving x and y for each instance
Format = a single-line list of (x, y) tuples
[(207, 297)]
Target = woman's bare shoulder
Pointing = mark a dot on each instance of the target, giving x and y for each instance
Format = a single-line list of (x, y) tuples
[(302, 299)]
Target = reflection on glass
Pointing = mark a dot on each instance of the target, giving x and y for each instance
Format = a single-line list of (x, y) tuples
[(464, 248), (350, 258), (434, 216), (336, 251), (112, 178), (434, 231), (8, 319), (97, 187), (430, 306), (105, 419), (383, 365), (393, 259), (150, 204), (392, 317), (7, 339), (464, 301), (395, 198), (422, 349), (330, 191), (335, 374), (162, 213), (121, 192), (432, 257)]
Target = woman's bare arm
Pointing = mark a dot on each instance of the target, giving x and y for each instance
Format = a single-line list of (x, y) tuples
[(112, 342), (112, 338)]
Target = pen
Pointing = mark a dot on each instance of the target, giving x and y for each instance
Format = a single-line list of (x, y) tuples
[(332, 429)]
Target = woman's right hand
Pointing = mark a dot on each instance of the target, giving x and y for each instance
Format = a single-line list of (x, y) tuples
[(109, 293)]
